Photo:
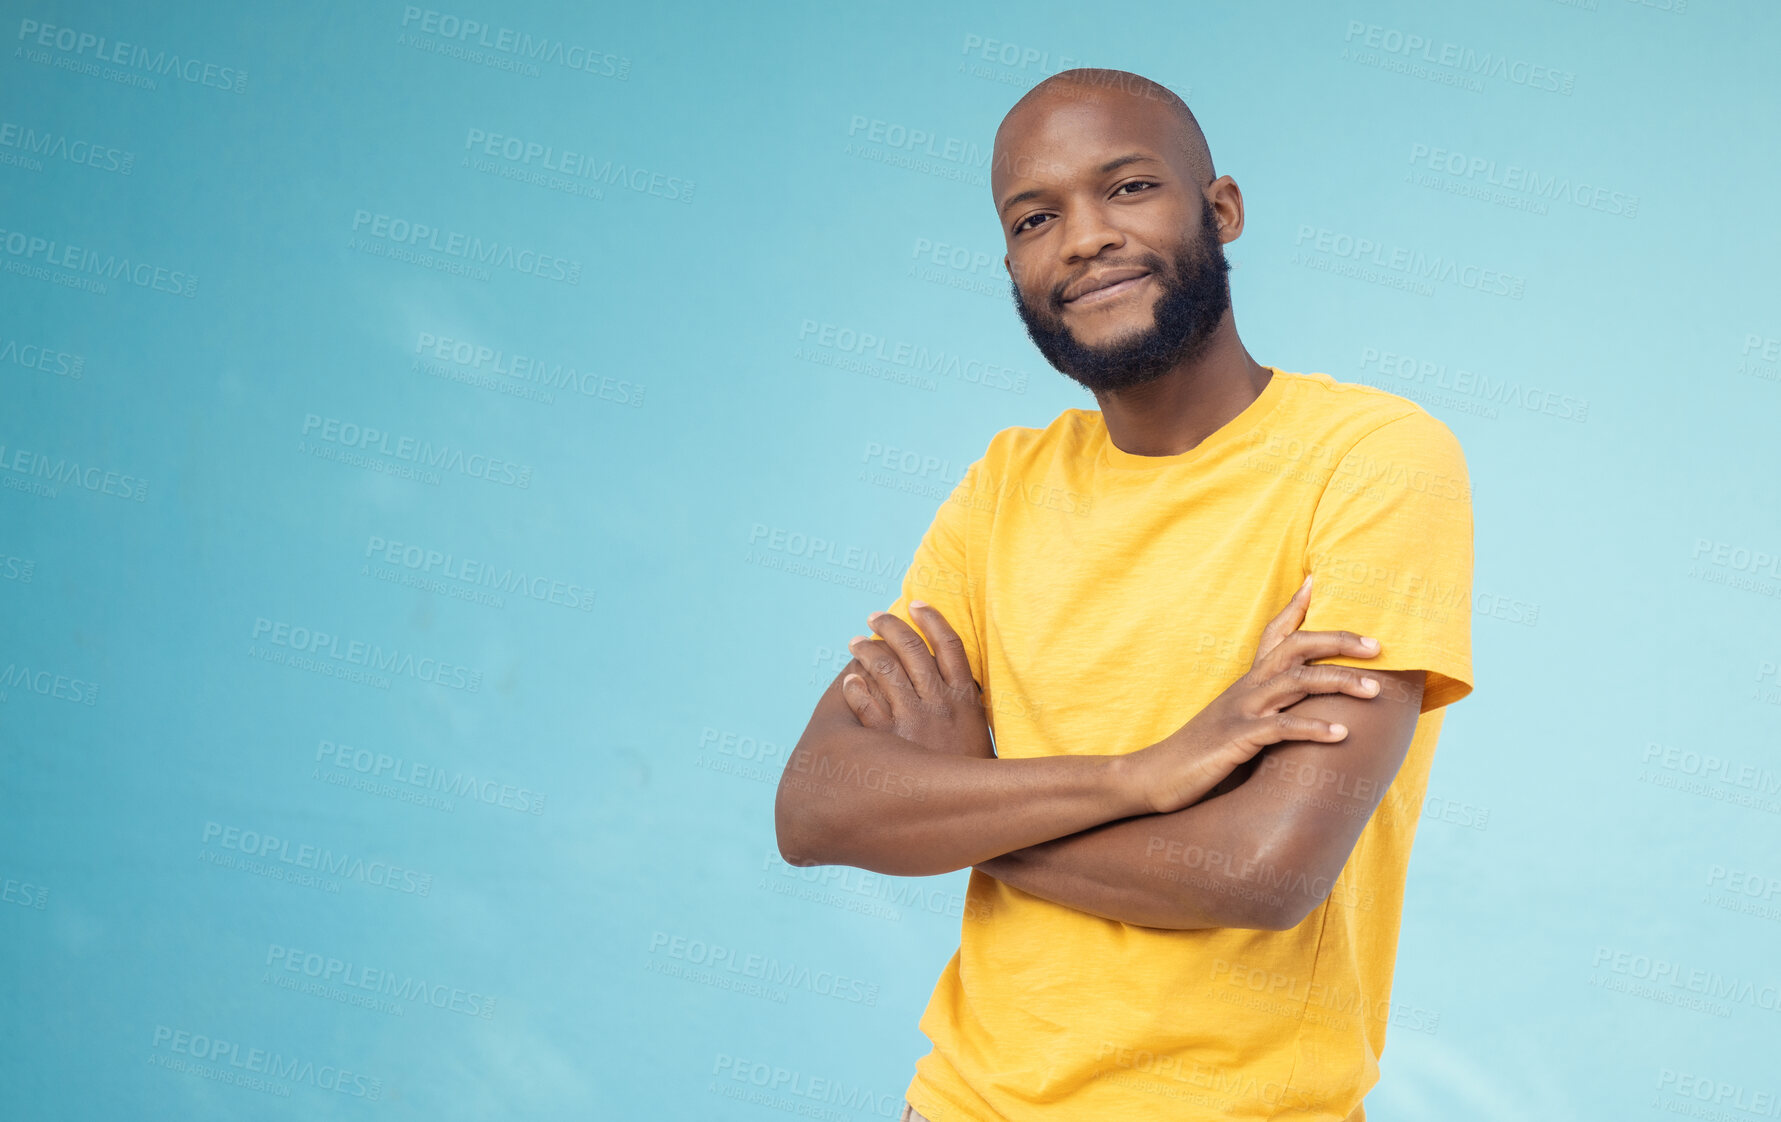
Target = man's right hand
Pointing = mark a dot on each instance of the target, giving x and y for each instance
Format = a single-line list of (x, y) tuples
[(1176, 771)]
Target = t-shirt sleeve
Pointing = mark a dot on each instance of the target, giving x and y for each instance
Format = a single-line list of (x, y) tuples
[(1390, 554), (940, 570)]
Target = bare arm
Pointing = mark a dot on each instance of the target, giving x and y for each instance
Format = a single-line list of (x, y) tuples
[(898, 777), (1262, 853), (868, 797)]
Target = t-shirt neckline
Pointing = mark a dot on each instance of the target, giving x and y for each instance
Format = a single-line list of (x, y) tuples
[(1228, 434)]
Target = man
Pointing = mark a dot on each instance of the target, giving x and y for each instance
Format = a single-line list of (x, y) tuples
[(1189, 834)]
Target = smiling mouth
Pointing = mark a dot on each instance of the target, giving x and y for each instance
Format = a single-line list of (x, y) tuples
[(1111, 292)]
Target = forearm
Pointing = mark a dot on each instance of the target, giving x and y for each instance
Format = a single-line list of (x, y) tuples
[(1185, 870), (871, 799)]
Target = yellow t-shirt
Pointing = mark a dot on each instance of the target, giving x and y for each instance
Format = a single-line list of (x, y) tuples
[(1104, 598)]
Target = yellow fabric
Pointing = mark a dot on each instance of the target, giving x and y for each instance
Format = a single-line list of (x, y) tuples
[(1104, 598)]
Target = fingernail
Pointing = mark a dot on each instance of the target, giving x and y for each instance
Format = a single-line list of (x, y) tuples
[(918, 603), (1339, 730), (1369, 683), (876, 616), (1369, 641), (1306, 584)]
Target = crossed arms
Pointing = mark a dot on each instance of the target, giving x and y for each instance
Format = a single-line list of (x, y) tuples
[(911, 789)]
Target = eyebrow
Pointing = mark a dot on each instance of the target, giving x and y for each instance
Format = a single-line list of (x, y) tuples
[(1116, 162)]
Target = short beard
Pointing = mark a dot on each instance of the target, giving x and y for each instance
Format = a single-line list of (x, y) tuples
[(1194, 299)]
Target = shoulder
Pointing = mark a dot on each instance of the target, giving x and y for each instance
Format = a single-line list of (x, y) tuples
[(1355, 417), (1020, 447)]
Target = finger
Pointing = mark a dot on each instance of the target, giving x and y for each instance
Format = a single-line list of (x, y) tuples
[(859, 697), (857, 669), (955, 665), (918, 661), (855, 696), (1303, 646), (1285, 623), (1299, 681), (881, 660), (1294, 726)]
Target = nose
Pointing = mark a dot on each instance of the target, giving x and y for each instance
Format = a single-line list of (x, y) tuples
[(1087, 234)]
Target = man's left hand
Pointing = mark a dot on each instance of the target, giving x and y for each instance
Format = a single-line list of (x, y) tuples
[(933, 701)]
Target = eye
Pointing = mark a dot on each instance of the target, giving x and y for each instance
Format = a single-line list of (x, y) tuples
[(1022, 224)]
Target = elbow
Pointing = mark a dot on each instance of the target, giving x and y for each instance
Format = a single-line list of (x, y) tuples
[(796, 852), (1286, 911), (797, 831), (1245, 915), (1297, 874), (1259, 915), (1278, 909), (791, 850), (1283, 918)]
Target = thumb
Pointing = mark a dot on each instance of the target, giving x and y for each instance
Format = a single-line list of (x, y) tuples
[(1286, 622)]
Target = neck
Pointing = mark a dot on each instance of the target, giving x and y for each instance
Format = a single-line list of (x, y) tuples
[(1174, 413)]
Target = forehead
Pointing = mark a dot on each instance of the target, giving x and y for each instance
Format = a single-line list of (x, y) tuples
[(1066, 134)]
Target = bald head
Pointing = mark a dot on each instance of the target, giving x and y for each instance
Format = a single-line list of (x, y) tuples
[(1141, 94)]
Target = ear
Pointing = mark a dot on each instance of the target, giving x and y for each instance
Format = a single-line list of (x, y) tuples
[(1227, 202)]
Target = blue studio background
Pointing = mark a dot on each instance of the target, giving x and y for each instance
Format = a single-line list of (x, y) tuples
[(400, 649)]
